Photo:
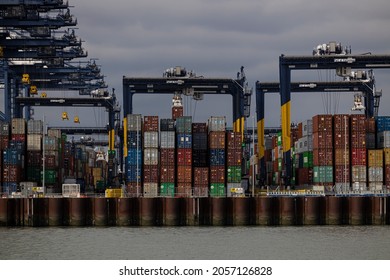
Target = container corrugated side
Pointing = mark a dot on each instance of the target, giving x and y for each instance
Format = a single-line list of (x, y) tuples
[(34, 127), (359, 173), (134, 122), (322, 123), (34, 142), (184, 125), (323, 174), (375, 174), (151, 156), (167, 139), (151, 173), (201, 176), (217, 157), (150, 189), (167, 189), (151, 139), (167, 156), (307, 127), (151, 123), (54, 133), (217, 124), (184, 141), (199, 141), (217, 189), (184, 156), (375, 158), (383, 139), (167, 173), (217, 140), (18, 126), (167, 125), (4, 129)]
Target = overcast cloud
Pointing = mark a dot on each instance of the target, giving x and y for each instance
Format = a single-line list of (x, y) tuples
[(215, 37)]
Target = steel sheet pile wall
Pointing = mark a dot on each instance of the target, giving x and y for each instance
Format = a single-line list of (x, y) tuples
[(184, 156), (14, 157), (217, 128), (133, 163), (200, 161), (304, 154), (167, 157), (341, 136), (359, 152), (234, 155), (323, 150), (151, 157)]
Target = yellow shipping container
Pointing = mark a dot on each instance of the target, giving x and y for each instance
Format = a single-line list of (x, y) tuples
[(387, 156), (375, 158), (96, 172), (115, 193)]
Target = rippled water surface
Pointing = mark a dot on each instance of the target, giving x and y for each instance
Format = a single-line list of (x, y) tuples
[(278, 243)]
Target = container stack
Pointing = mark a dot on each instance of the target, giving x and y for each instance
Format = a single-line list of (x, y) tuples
[(151, 157), (304, 154), (200, 161), (323, 150), (167, 157), (359, 152), (370, 133), (268, 159), (4, 142), (13, 157), (133, 163), (375, 170), (277, 159), (217, 128), (234, 156), (184, 156), (52, 150), (341, 138), (34, 151), (386, 170)]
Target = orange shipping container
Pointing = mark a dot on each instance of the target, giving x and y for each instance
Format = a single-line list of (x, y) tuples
[(375, 158)]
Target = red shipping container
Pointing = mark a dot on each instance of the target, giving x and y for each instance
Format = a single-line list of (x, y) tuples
[(4, 142), (167, 156), (184, 190), (323, 123), (234, 140), (151, 123), (304, 176), (322, 157), (341, 140), (341, 122), (134, 190), (234, 157), (268, 155), (274, 142), (184, 173), (358, 123), (150, 173), (201, 191), (370, 125), (300, 130), (217, 140), (358, 156), (177, 112), (387, 175), (167, 173), (322, 140), (217, 174), (342, 174), (358, 140), (12, 173), (18, 137), (34, 158), (51, 161), (184, 156), (201, 176)]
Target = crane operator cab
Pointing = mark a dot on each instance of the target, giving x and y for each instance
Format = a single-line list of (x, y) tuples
[(358, 103), (43, 95), (76, 119), (65, 116)]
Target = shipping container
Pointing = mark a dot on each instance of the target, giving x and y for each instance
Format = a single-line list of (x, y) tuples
[(34, 158), (51, 176), (51, 143), (370, 126), (201, 176), (358, 140), (167, 189), (383, 139), (217, 124), (4, 129), (134, 139), (184, 174), (150, 123), (375, 174), (323, 174), (184, 141), (12, 173), (304, 176), (322, 157), (151, 139), (167, 139), (18, 126), (34, 127), (200, 158), (10, 187), (234, 157), (341, 156), (307, 159), (375, 186), (217, 157), (55, 133), (217, 174), (370, 141), (200, 128), (151, 173), (307, 128), (217, 140), (151, 156), (359, 173), (167, 156), (34, 142), (342, 174), (150, 189), (386, 153), (358, 156), (234, 140), (201, 191), (234, 174), (341, 123), (322, 140), (184, 125), (19, 138), (177, 112), (199, 141), (184, 156), (217, 189), (184, 190), (134, 157), (375, 158), (133, 173), (167, 125), (382, 123), (322, 123), (167, 173), (4, 142), (134, 122), (34, 173), (304, 144)]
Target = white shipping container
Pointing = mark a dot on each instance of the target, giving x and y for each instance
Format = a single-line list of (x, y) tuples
[(151, 156), (217, 124), (359, 186), (375, 186), (359, 173), (34, 142), (54, 133), (151, 139), (51, 143), (375, 174), (150, 190), (167, 139), (4, 129), (71, 190), (383, 140), (34, 127), (18, 126), (307, 127), (134, 122)]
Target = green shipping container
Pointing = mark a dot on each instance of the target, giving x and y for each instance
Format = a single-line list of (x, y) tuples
[(307, 159), (34, 174), (100, 186), (323, 174), (280, 138), (167, 189), (280, 164), (50, 176), (234, 174), (217, 189)]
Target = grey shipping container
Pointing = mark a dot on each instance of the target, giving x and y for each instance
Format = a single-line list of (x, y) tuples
[(217, 124), (383, 140), (18, 126), (150, 190), (134, 122), (34, 127), (151, 139), (151, 156), (167, 139)]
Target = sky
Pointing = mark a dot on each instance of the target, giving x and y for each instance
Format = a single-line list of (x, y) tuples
[(215, 38)]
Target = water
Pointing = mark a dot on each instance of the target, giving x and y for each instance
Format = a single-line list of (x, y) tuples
[(196, 243)]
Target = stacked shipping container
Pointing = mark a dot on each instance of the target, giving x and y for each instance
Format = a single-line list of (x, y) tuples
[(304, 154), (217, 128), (167, 157), (133, 163), (151, 157), (184, 156), (200, 160), (34, 151), (4, 142), (341, 138), (234, 155), (358, 152)]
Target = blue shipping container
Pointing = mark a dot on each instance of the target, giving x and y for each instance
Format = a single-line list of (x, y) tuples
[(184, 141), (217, 157), (133, 173), (17, 145), (134, 138), (133, 156), (12, 156), (382, 123), (9, 187)]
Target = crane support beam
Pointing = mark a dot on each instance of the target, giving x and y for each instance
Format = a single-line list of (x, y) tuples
[(315, 62), (82, 130)]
